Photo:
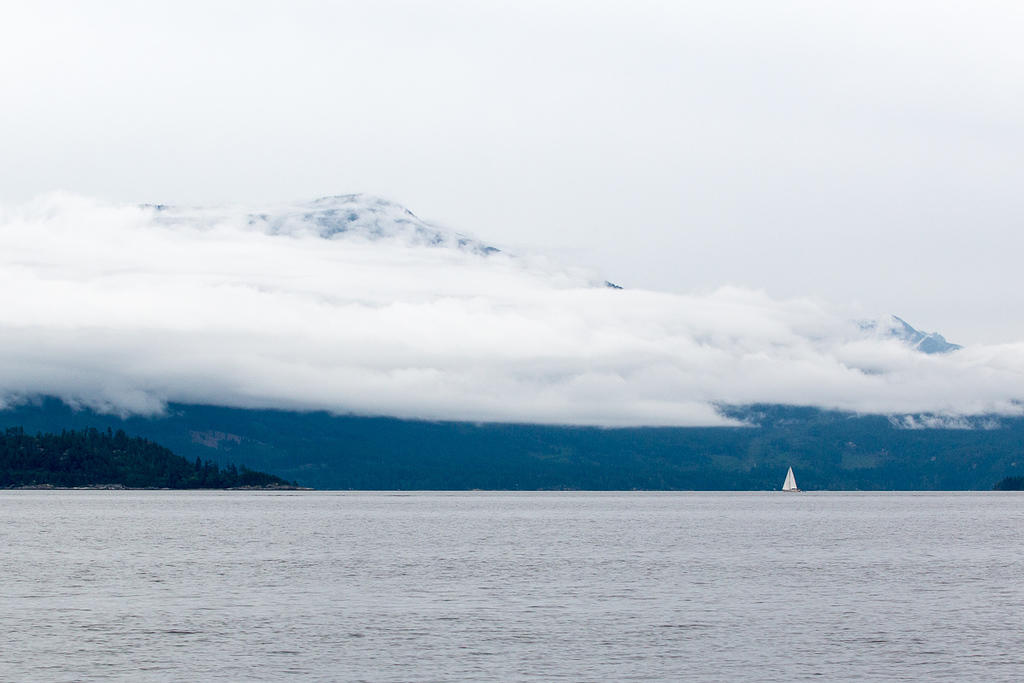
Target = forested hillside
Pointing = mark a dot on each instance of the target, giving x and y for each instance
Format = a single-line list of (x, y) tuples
[(827, 450), (93, 458)]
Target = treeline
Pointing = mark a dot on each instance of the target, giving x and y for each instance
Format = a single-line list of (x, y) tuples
[(90, 457), (1010, 484), (828, 450)]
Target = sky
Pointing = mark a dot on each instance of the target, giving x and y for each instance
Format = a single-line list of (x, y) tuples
[(860, 158)]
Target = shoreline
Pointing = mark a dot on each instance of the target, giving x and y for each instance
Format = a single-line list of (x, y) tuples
[(122, 487)]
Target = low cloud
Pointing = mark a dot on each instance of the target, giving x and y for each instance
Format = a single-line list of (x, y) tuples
[(125, 309)]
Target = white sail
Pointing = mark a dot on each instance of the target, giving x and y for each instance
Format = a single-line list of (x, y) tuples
[(790, 484)]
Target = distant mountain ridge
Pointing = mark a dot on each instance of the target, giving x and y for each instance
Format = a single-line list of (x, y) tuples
[(373, 217), (370, 217)]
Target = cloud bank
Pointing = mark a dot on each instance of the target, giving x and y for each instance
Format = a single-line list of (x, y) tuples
[(353, 305)]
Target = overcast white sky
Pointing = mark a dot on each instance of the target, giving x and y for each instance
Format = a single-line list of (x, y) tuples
[(868, 154)]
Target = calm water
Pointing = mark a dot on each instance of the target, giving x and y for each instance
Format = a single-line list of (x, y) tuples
[(494, 586)]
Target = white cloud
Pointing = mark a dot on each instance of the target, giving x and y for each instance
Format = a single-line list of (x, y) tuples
[(863, 152), (127, 308)]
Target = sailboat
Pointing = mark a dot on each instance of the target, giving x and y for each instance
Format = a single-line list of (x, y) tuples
[(790, 483)]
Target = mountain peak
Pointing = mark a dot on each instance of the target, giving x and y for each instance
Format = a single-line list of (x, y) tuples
[(357, 215), (895, 327), (367, 216)]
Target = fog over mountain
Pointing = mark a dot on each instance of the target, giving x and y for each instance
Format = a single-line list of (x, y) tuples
[(353, 304)]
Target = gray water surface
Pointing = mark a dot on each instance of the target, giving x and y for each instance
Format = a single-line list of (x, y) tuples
[(160, 585)]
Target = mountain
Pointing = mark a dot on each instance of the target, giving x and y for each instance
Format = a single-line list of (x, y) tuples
[(293, 320), (827, 449), (897, 328), (371, 218), (350, 215)]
